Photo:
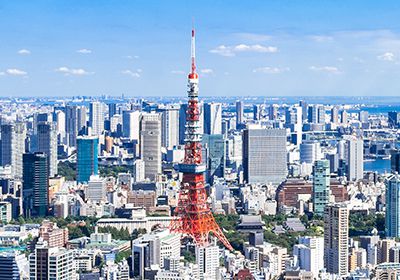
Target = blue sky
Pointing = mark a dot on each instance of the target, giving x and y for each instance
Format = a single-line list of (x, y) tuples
[(142, 48)]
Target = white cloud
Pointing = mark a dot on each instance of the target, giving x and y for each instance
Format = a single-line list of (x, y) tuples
[(16, 72), (232, 50), (133, 74), (132, 56), (84, 51), (180, 72), (24, 52), (71, 71), (271, 70), (206, 71), (321, 38), (327, 69), (387, 56)]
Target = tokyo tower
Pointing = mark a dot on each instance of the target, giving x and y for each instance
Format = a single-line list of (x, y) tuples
[(194, 217)]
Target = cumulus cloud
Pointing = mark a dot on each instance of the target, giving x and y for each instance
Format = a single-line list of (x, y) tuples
[(84, 51), (232, 50), (24, 52), (271, 70), (73, 71), (387, 56), (16, 72), (326, 69), (133, 74)]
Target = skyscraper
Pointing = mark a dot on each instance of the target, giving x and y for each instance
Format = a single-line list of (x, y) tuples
[(336, 239), (51, 263), (12, 265), (394, 119), (355, 158), (35, 185), (310, 254), (335, 114), (395, 161), (264, 155), (213, 118), (310, 151), (47, 144), (215, 148), (321, 186), (150, 144), (96, 118), (207, 258), (316, 114), (71, 124), (13, 146), (392, 196), (239, 113), (131, 124), (87, 158), (303, 104), (170, 125), (112, 110)]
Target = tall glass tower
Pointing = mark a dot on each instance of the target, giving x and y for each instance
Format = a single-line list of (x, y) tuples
[(321, 186), (87, 158), (392, 224)]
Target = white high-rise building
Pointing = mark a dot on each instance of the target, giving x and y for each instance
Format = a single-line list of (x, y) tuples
[(60, 127), (213, 118), (13, 147), (150, 144), (355, 158), (264, 155), (96, 189), (96, 118), (51, 263), (207, 258), (310, 253), (47, 143), (310, 151), (336, 239), (138, 170), (131, 124), (170, 125)]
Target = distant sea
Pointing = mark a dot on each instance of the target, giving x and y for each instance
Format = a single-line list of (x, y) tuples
[(379, 165)]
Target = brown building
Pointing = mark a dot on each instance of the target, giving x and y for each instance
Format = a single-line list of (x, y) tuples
[(243, 274), (288, 192), (142, 198), (298, 275), (55, 237)]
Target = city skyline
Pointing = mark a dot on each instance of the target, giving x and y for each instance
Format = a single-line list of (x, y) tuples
[(259, 48)]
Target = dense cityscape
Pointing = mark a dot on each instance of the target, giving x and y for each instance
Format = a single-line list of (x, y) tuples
[(199, 186)]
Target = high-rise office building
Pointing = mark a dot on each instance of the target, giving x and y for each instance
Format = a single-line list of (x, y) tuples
[(81, 120), (212, 118), (96, 118), (394, 119), (303, 104), (355, 158), (257, 112), (336, 239), (35, 185), (13, 265), (71, 124), (60, 127), (207, 258), (344, 117), (321, 186), (264, 155), (215, 155), (47, 144), (239, 113), (150, 144), (112, 110), (395, 161), (170, 125), (87, 158), (131, 124), (51, 263), (316, 114), (392, 196), (310, 254), (96, 190), (335, 114), (272, 112), (363, 116), (310, 151), (13, 147)]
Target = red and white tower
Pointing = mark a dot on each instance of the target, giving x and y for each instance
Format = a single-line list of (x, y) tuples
[(194, 217)]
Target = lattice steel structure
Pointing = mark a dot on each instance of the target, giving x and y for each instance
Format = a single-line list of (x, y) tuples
[(194, 217)]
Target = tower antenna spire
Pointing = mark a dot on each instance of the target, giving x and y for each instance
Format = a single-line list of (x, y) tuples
[(193, 49)]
